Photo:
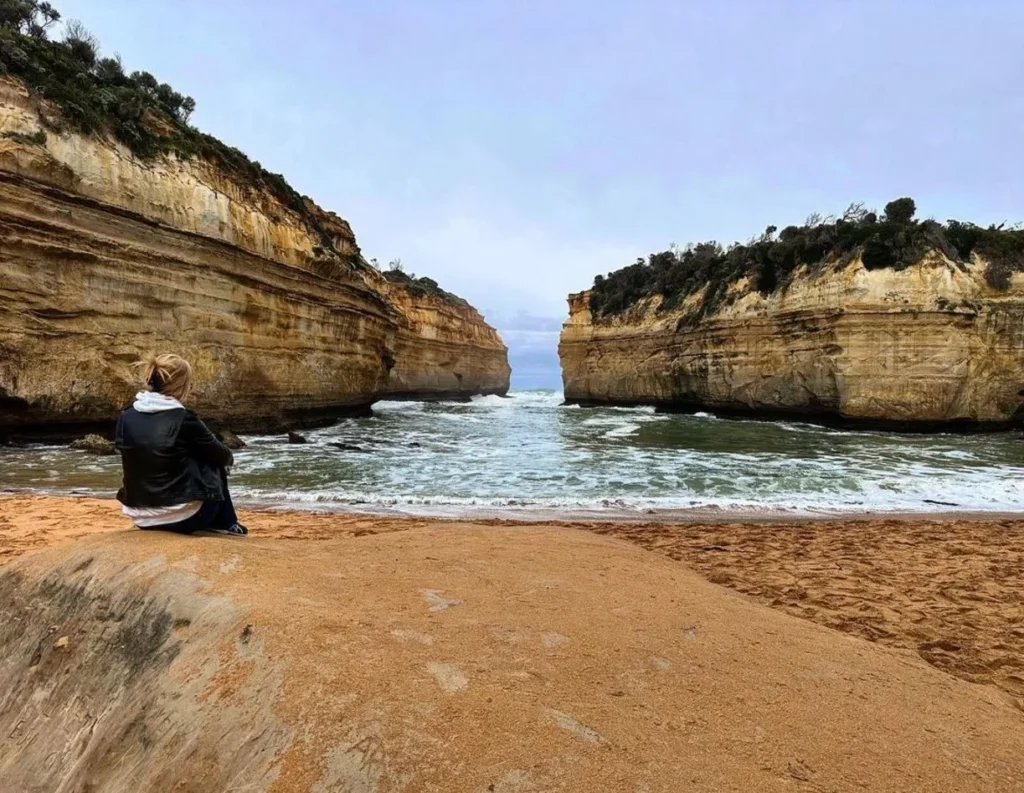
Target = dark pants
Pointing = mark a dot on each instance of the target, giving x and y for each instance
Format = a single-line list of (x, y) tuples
[(212, 515)]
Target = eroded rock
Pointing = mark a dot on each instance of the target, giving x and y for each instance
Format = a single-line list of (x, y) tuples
[(89, 703), (931, 346), (232, 441), (94, 444), (278, 332)]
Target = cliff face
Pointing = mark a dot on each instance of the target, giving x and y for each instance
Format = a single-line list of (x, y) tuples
[(444, 350), (106, 256), (931, 345)]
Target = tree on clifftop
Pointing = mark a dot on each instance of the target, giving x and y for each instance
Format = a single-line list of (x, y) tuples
[(96, 97), (770, 262), (901, 210), (28, 17)]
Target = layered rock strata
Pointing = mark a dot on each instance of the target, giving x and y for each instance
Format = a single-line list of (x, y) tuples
[(106, 256), (930, 346), (444, 350)]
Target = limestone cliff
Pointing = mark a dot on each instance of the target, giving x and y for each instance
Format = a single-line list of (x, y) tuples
[(444, 350), (927, 346), (106, 255)]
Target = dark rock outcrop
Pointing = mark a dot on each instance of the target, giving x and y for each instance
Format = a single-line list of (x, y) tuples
[(94, 444)]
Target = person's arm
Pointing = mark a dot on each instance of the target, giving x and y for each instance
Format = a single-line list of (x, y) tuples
[(203, 444)]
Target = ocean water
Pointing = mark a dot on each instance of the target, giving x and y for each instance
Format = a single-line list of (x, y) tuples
[(528, 455)]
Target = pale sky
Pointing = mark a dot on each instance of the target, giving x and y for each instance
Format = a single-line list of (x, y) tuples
[(513, 150)]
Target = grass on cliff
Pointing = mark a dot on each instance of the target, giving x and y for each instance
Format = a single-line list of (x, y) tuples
[(96, 96), (893, 240), (420, 287)]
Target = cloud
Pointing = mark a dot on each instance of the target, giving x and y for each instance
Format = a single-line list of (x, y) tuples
[(498, 262), (526, 323)]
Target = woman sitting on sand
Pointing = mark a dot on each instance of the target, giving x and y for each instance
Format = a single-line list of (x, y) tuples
[(175, 470)]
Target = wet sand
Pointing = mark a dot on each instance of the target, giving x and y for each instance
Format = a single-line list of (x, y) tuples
[(950, 590)]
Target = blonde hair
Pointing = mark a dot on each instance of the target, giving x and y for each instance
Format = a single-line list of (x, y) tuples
[(167, 373)]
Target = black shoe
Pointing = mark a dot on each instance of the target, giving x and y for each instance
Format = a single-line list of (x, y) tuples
[(237, 530)]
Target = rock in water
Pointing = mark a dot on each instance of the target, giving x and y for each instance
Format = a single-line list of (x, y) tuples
[(232, 441), (94, 444), (347, 447), (294, 437)]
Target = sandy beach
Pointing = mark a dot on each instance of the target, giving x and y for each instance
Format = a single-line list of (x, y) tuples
[(337, 652), (950, 590)]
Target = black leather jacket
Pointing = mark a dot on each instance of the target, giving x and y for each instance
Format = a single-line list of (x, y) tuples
[(169, 458)]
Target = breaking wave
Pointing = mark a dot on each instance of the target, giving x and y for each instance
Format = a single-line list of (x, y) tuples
[(530, 454)]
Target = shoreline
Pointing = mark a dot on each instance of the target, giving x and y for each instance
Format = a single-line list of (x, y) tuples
[(667, 517), (947, 589), (569, 515)]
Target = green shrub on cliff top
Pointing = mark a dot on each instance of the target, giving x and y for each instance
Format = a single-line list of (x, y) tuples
[(419, 287), (96, 96), (895, 240)]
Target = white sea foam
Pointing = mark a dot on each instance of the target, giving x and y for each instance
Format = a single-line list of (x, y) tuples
[(527, 454), (622, 431), (393, 406), (603, 421)]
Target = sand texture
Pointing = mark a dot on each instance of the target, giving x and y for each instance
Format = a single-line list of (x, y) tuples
[(333, 653), (951, 591)]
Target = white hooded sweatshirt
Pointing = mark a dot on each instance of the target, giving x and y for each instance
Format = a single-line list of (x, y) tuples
[(148, 517)]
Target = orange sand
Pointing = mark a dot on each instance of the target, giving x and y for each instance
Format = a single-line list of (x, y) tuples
[(951, 590), (447, 655)]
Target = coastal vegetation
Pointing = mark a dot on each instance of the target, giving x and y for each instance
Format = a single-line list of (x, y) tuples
[(96, 96), (419, 287), (892, 239)]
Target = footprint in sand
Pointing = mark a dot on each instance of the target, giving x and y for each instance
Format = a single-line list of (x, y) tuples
[(568, 723), (448, 676), (436, 599)]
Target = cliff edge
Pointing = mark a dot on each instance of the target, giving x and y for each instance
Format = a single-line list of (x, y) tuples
[(444, 349), (913, 332), (108, 253)]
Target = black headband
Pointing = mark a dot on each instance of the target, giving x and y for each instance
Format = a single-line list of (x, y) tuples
[(156, 382)]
